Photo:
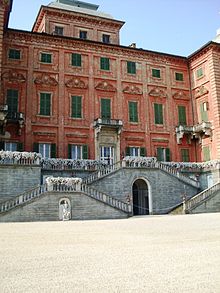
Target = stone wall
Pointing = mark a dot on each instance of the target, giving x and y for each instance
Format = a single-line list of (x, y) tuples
[(46, 208), (209, 206), (17, 179)]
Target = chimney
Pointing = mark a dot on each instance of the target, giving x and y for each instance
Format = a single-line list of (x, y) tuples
[(133, 45)]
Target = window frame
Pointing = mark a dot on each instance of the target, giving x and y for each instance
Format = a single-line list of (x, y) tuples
[(199, 73), (131, 67), (83, 34), (46, 55), (57, 32), (155, 71), (185, 153), (76, 106), (43, 111), (182, 117), (76, 59), (133, 111), (105, 110), (158, 114), (14, 55), (104, 63), (178, 75), (106, 38)]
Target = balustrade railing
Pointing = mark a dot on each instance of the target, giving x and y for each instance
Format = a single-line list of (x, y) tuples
[(200, 197)]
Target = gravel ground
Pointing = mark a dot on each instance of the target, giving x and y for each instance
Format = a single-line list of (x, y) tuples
[(140, 254)]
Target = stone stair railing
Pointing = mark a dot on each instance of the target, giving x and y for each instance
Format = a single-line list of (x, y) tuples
[(200, 197)]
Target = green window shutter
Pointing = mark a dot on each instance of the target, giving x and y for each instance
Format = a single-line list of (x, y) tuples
[(106, 108), (206, 154), (12, 100), (203, 113), (14, 54), (76, 59), (182, 115), (179, 76), (2, 145), (185, 155), (36, 147), (76, 106), (69, 151), (104, 63), (85, 151), (142, 152), (199, 73), (20, 147), (160, 154), (127, 151), (45, 102), (133, 113), (168, 155), (156, 73), (131, 67), (46, 58), (53, 150), (158, 113)]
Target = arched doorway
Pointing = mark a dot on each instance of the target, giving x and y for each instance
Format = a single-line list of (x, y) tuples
[(64, 209), (140, 197)]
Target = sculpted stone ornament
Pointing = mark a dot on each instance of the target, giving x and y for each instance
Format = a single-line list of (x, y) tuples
[(76, 83), (157, 92), (180, 95), (13, 76), (105, 86), (201, 91), (46, 79), (65, 211), (132, 89)]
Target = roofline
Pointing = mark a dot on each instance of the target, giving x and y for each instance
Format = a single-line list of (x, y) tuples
[(99, 43), (69, 11), (202, 48)]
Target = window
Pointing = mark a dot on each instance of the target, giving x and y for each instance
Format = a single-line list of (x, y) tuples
[(135, 151), (76, 59), (77, 152), (199, 72), (83, 35), (45, 104), (179, 76), (107, 154), (58, 30), (10, 146), (76, 106), (131, 67), (47, 150), (106, 108), (158, 113), (46, 58), (104, 63), (185, 155), (204, 112), (182, 115), (156, 73), (105, 39), (12, 101), (163, 154), (133, 112), (206, 153), (14, 54)]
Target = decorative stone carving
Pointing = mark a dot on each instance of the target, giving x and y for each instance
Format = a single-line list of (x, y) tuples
[(4, 2), (201, 91), (157, 92), (46, 80), (76, 83), (13, 76), (180, 95), (105, 86), (132, 89)]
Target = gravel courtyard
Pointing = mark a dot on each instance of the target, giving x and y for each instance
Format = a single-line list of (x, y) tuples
[(141, 254)]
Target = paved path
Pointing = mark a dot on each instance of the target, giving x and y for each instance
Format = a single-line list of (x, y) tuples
[(142, 254)]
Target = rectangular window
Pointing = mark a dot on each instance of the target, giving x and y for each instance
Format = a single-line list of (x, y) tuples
[(179, 76), (158, 113), (156, 73), (199, 72), (46, 58), (131, 67), (105, 39), (45, 150), (135, 151), (14, 54), (76, 59), (133, 112), (104, 63), (45, 104), (106, 108), (163, 154), (77, 152), (76, 106), (83, 35), (10, 146), (206, 153), (185, 155), (204, 112), (58, 30), (182, 115), (12, 101)]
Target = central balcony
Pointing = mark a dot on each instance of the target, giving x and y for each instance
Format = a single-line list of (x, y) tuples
[(116, 124), (198, 131)]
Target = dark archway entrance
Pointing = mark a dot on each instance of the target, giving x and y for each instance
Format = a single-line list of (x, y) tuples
[(140, 198)]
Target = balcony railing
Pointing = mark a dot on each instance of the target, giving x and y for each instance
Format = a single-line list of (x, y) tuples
[(15, 116), (108, 122)]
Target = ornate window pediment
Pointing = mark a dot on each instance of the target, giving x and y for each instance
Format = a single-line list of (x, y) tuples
[(105, 86), (132, 89), (201, 91), (157, 92), (13, 76), (180, 95), (76, 83), (45, 79)]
